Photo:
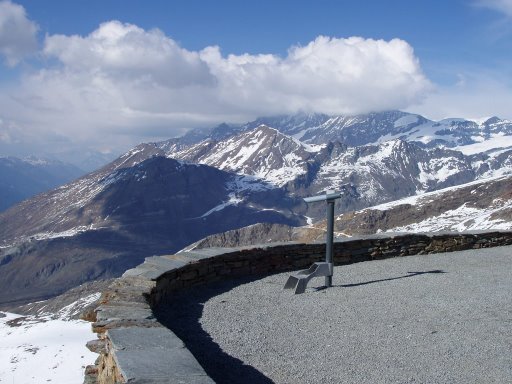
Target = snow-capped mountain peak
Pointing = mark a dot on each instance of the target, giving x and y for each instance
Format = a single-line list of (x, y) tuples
[(160, 196), (262, 152)]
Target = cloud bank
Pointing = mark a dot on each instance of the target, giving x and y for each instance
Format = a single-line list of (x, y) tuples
[(123, 84), (17, 33), (476, 95)]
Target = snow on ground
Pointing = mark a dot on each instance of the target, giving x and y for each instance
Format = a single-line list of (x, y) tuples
[(241, 183), (43, 350), (233, 200), (35, 161), (424, 133), (77, 307), (463, 218), (432, 131), (312, 148), (53, 235), (406, 120), (309, 220), (257, 152), (495, 141), (68, 233), (418, 199)]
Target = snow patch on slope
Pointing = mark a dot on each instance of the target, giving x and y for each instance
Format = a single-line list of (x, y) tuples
[(68, 233), (263, 152), (242, 183), (349, 164), (495, 141), (406, 120), (76, 307), (233, 200), (428, 196), (463, 218), (441, 169), (52, 235), (38, 350)]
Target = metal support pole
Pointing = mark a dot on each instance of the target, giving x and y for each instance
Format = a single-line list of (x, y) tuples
[(330, 239), (299, 280)]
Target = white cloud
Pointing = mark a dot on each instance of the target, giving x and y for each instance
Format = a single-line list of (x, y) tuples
[(125, 51), (121, 84), (17, 33), (475, 95), (327, 75), (502, 6)]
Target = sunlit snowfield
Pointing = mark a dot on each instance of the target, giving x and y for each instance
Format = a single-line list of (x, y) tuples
[(42, 350)]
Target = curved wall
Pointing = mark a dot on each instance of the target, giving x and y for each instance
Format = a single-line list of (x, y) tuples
[(135, 347)]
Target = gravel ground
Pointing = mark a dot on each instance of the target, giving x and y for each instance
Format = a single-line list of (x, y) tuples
[(444, 318)]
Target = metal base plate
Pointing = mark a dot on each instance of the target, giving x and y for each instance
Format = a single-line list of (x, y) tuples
[(300, 280)]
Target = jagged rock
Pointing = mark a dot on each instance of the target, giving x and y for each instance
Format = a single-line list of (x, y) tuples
[(96, 346)]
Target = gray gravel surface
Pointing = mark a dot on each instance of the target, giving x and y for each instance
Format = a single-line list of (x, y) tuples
[(444, 318)]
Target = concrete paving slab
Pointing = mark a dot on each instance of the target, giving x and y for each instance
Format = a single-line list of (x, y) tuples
[(155, 356), (143, 338), (140, 270), (106, 312), (153, 364), (164, 263)]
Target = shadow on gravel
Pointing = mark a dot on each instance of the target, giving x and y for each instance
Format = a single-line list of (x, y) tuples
[(182, 315), (410, 274)]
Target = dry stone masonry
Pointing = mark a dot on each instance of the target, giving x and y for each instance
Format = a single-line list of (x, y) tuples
[(134, 347)]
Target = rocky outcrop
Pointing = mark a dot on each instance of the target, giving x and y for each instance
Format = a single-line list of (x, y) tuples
[(78, 302), (489, 201), (260, 233), (487, 204)]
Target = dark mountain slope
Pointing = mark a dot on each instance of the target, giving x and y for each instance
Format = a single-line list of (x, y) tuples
[(107, 222)]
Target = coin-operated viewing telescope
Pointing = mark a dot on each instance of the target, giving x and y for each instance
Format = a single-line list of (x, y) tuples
[(299, 280)]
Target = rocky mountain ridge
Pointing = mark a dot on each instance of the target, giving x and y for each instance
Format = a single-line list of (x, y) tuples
[(374, 173), (159, 197), (371, 128), (108, 221), (21, 178), (479, 205)]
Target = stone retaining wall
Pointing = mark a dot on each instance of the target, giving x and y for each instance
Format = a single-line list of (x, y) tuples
[(135, 348)]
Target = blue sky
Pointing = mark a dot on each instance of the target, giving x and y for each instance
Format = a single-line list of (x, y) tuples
[(444, 34), (105, 75)]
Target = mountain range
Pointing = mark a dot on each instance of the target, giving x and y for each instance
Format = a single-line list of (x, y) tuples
[(108, 221), (395, 155), (479, 205), (159, 197), (23, 178)]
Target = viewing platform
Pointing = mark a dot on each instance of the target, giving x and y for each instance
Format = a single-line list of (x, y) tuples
[(222, 315)]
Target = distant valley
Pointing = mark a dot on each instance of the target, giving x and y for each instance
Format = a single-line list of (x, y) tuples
[(24, 178)]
